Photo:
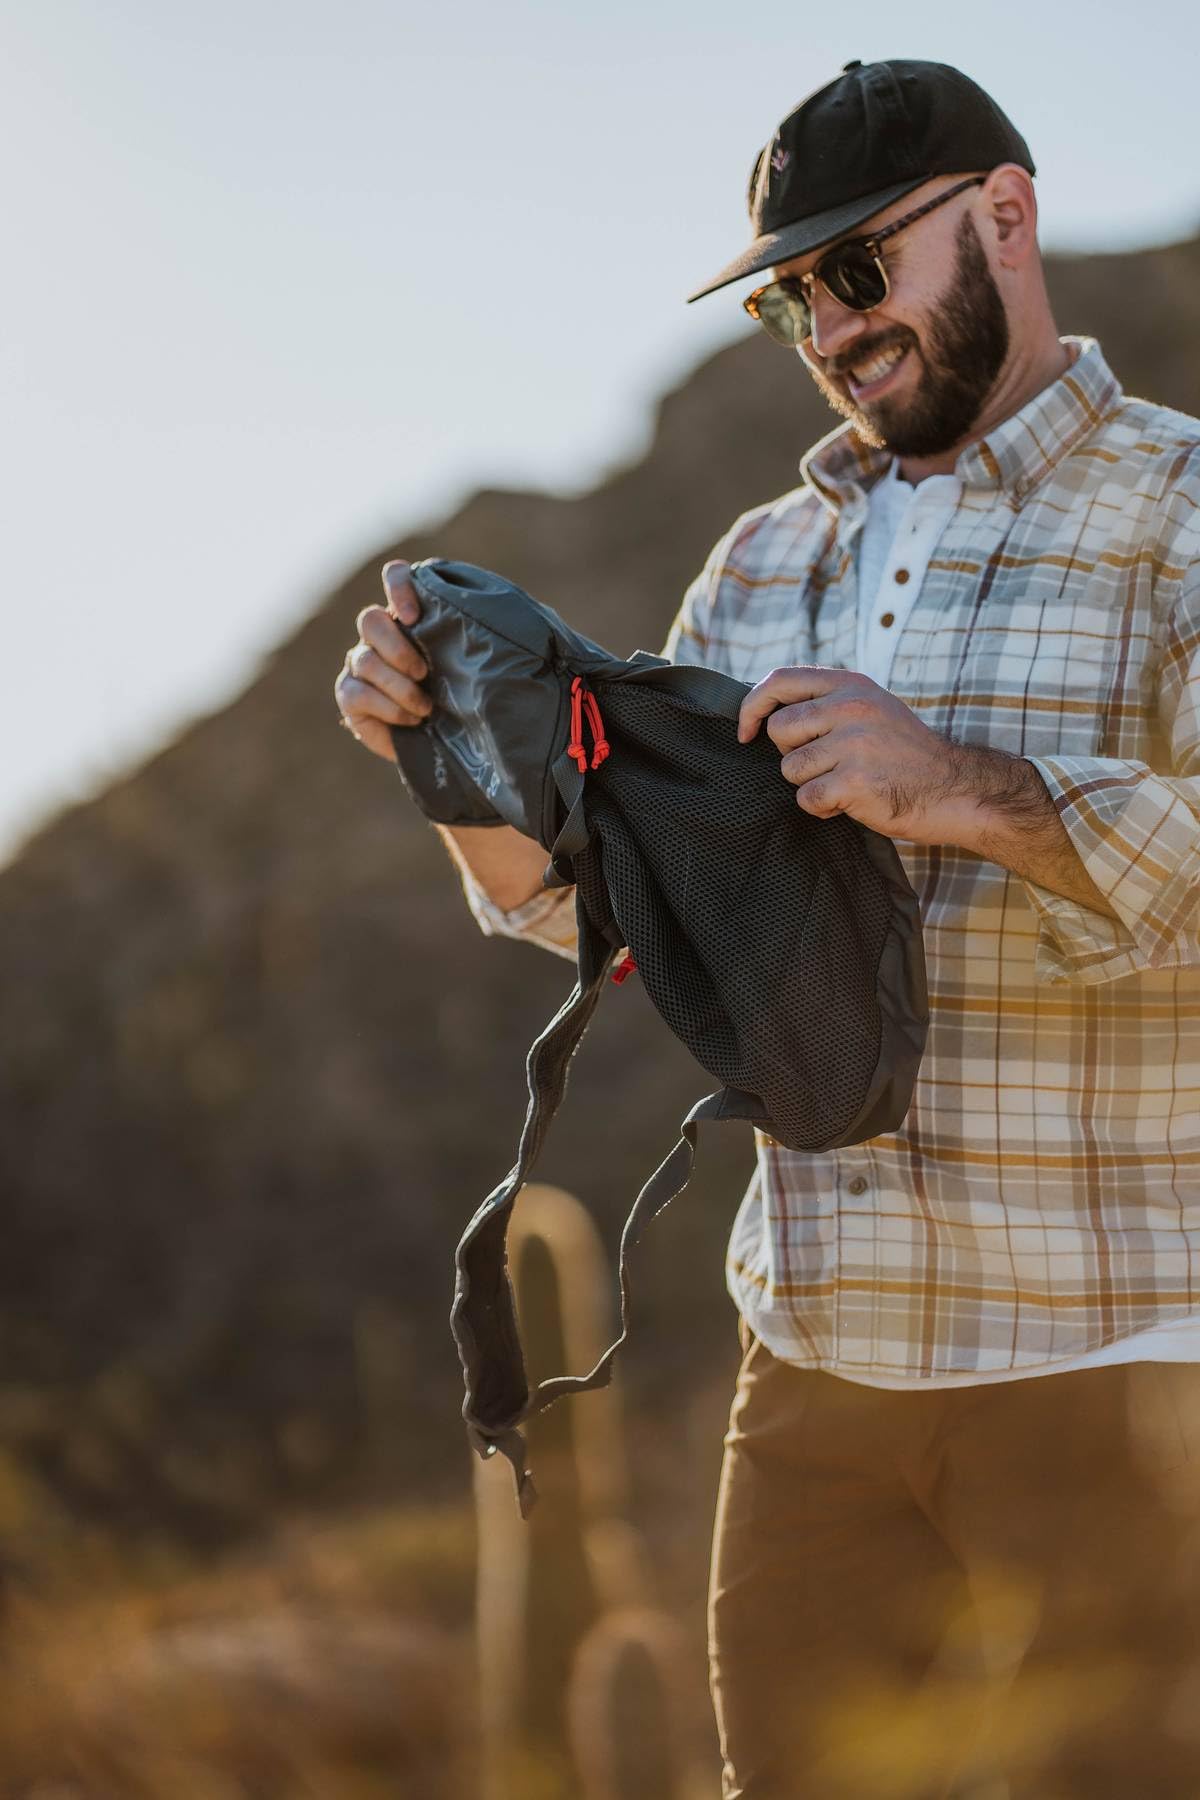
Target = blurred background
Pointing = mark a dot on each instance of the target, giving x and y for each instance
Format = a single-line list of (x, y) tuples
[(289, 291)]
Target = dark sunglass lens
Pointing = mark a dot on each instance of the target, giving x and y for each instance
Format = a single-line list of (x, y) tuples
[(853, 276), (784, 312)]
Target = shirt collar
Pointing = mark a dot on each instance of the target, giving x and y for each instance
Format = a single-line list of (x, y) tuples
[(1013, 458)]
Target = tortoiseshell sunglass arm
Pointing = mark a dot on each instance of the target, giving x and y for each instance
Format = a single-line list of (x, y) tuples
[(880, 237)]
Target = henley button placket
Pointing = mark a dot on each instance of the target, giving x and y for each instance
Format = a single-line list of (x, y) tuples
[(901, 529)]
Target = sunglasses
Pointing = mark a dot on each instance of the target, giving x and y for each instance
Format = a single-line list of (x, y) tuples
[(853, 274)]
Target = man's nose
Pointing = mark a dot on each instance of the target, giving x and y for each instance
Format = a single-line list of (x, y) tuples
[(834, 326)]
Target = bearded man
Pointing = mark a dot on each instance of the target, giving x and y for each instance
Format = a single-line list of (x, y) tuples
[(958, 1531)]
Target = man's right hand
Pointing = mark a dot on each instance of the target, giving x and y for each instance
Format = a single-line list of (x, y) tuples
[(380, 686), (379, 682)]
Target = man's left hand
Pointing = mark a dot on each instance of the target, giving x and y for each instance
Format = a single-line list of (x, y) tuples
[(847, 745)]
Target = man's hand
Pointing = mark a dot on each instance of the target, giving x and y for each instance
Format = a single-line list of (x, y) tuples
[(849, 746), (379, 682), (379, 685)]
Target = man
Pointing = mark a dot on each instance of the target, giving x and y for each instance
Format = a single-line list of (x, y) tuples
[(959, 1521)]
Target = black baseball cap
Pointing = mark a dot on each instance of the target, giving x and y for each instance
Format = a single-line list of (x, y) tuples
[(860, 143)]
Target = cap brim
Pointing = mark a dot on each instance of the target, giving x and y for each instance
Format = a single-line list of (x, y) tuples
[(806, 234)]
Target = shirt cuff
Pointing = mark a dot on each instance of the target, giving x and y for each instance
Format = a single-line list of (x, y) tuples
[(1138, 839), (547, 919)]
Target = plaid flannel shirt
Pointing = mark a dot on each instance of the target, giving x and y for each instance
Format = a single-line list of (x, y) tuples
[(1042, 1198)]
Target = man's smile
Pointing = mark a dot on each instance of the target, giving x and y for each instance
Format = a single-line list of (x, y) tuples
[(867, 371), (869, 378)]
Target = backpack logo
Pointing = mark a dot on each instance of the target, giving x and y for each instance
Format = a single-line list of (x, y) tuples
[(440, 777), (780, 158)]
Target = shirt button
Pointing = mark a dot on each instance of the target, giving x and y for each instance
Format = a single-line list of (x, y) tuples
[(887, 618), (857, 1186), (901, 577)]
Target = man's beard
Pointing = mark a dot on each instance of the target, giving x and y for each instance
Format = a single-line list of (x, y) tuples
[(965, 350)]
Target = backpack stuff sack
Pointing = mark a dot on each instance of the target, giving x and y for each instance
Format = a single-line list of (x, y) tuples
[(784, 951)]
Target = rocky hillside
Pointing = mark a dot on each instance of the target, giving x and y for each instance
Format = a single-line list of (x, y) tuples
[(258, 1066)]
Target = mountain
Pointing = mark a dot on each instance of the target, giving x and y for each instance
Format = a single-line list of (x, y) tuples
[(259, 1066)]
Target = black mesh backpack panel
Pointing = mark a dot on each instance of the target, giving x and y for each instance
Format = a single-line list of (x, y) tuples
[(784, 951), (757, 929)]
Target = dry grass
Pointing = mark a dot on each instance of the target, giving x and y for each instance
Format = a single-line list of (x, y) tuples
[(332, 1663)]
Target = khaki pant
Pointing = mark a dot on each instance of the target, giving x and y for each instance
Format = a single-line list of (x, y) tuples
[(987, 1591)]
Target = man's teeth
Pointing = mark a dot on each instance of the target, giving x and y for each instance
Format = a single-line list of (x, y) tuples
[(865, 372)]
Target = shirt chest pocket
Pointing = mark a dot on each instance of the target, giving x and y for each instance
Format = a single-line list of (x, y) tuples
[(1026, 677)]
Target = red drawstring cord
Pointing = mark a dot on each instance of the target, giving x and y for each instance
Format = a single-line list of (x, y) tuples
[(575, 749), (581, 698)]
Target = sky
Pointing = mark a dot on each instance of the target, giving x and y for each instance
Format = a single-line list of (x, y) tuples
[(284, 283)]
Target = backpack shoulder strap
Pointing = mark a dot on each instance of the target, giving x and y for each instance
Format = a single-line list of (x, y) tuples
[(483, 1315), (506, 1437)]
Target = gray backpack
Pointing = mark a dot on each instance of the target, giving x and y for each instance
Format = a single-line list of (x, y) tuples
[(784, 951)]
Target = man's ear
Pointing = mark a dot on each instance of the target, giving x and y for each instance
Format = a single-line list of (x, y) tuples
[(1009, 206)]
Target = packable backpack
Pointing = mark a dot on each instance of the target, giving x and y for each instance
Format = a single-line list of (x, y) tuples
[(784, 951)]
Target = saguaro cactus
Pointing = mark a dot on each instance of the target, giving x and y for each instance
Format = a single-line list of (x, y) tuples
[(627, 1709), (542, 1582)]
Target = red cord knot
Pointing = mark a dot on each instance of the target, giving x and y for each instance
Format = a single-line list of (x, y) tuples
[(624, 969), (584, 701)]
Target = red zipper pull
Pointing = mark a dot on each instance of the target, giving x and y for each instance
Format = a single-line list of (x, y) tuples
[(582, 699), (575, 749), (624, 969)]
